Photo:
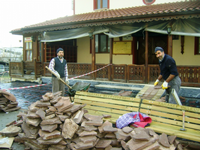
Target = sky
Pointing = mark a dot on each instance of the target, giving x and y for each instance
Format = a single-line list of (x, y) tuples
[(20, 13)]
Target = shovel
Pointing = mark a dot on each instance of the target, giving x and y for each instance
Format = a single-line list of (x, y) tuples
[(70, 88)]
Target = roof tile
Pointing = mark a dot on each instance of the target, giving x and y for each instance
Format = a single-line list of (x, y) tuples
[(135, 12)]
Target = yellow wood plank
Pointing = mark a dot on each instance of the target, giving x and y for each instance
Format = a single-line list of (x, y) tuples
[(107, 96), (162, 109), (175, 122), (130, 109), (158, 94), (107, 110), (107, 100), (161, 114), (180, 135), (156, 103), (175, 128)]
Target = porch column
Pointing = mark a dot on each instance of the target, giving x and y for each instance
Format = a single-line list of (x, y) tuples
[(169, 45), (111, 60), (93, 57), (146, 56)]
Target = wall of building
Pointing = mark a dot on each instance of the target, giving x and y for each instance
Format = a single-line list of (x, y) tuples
[(122, 59), (84, 55), (83, 6), (114, 4), (134, 3), (83, 50), (187, 58)]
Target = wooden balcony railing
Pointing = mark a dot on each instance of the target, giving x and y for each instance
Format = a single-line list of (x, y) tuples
[(190, 75)]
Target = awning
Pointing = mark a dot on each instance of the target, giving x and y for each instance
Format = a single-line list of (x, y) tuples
[(185, 27)]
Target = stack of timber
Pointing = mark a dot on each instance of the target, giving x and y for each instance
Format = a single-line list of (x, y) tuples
[(54, 123), (8, 102)]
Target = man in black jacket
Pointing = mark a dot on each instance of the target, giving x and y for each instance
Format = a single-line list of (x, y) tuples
[(59, 66), (168, 71)]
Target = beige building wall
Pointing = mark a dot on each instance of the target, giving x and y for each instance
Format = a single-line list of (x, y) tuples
[(83, 50), (84, 56), (187, 58), (122, 59)]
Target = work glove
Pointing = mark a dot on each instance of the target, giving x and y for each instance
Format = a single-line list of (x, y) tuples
[(57, 75), (156, 82), (165, 85), (66, 80)]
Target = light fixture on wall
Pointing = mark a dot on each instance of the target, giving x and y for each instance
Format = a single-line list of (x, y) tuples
[(91, 35), (33, 38), (169, 29), (39, 37)]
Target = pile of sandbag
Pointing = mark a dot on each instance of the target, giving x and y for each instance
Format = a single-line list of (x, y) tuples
[(54, 123), (8, 102)]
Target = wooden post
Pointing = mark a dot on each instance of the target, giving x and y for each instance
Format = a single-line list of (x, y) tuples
[(22, 70), (146, 56), (169, 45), (35, 68), (111, 60), (45, 50), (93, 57), (10, 69)]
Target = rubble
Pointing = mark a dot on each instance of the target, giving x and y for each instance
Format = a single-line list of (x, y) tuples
[(8, 102), (55, 123)]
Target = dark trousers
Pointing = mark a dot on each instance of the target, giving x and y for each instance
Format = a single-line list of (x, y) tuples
[(57, 85), (174, 84)]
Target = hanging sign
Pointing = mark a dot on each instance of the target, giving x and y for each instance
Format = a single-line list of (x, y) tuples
[(122, 48), (28, 39)]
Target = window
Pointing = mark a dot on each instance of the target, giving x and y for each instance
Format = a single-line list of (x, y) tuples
[(197, 46), (148, 2), (28, 51), (28, 48), (99, 4), (102, 43)]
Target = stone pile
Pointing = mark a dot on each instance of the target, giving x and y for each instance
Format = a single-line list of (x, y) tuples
[(54, 123), (8, 102)]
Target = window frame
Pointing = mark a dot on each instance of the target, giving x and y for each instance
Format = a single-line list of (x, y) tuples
[(95, 2), (99, 40), (28, 47), (148, 3), (197, 46)]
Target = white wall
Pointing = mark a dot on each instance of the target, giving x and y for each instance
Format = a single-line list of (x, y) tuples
[(115, 4), (83, 6)]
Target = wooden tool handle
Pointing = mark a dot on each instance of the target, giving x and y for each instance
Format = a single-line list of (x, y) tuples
[(58, 77)]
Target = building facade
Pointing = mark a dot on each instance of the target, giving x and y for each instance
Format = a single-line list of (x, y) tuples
[(122, 33)]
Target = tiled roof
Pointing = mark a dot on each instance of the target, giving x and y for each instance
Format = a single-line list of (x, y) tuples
[(165, 11)]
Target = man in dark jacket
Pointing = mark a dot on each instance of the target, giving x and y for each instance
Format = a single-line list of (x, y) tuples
[(168, 71), (59, 66)]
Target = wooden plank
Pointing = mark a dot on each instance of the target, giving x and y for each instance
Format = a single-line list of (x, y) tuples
[(107, 96), (107, 101), (162, 109), (175, 130), (107, 105), (169, 105)]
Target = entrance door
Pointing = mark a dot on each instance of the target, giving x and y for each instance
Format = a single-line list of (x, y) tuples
[(153, 42)]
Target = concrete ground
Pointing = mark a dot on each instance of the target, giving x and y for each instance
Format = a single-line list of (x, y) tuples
[(7, 118)]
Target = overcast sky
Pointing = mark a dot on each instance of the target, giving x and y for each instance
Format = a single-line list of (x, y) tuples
[(19, 13)]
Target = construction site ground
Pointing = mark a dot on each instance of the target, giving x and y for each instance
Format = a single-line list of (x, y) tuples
[(27, 96)]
